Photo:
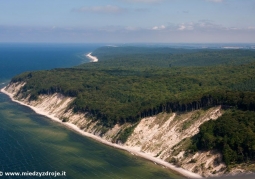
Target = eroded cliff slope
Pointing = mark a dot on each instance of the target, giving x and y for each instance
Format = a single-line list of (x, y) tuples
[(164, 136)]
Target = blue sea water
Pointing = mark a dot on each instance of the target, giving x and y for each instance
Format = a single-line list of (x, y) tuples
[(17, 58), (30, 142)]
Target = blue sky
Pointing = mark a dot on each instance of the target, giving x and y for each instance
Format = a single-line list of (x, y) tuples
[(127, 21)]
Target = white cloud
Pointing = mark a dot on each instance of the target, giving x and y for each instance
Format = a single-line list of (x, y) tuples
[(202, 25), (109, 9), (209, 25), (182, 27), (158, 27), (188, 26), (206, 33)]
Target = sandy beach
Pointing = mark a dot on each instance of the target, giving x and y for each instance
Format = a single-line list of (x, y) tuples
[(133, 151), (92, 58)]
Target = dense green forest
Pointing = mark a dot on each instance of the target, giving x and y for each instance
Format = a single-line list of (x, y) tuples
[(143, 57), (233, 134), (117, 93), (129, 83)]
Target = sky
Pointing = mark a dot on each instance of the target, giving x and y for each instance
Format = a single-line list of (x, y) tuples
[(127, 21)]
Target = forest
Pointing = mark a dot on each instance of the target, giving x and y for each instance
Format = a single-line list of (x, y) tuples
[(129, 83), (233, 134)]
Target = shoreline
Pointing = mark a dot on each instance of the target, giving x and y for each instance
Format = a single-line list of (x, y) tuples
[(133, 151), (92, 58)]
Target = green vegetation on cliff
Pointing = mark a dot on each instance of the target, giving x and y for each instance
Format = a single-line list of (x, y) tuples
[(117, 94), (130, 83), (233, 134)]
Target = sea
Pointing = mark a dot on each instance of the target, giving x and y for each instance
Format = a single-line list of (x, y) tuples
[(32, 145)]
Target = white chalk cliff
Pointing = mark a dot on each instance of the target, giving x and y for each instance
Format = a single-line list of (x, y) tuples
[(164, 136)]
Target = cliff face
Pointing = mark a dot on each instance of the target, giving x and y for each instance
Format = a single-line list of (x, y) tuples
[(165, 136)]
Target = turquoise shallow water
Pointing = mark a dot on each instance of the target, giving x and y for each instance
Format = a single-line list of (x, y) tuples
[(31, 142)]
